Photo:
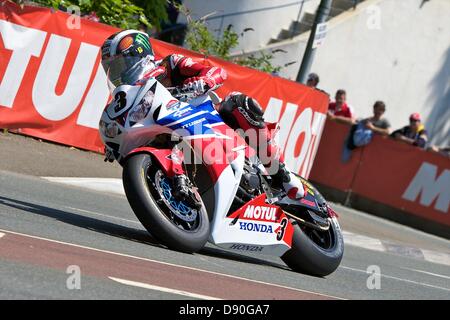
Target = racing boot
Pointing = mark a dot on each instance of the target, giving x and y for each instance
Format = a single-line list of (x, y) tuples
[(291, 184)]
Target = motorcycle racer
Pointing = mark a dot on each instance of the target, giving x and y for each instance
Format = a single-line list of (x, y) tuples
[(128, 58)]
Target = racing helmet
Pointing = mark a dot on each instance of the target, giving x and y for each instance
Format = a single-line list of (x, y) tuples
[(126, 56)]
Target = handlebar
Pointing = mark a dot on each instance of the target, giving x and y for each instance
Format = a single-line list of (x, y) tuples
[(187, 94), (181, 94)]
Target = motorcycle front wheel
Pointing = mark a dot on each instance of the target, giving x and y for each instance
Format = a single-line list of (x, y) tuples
[(172, 222), (313, 252)]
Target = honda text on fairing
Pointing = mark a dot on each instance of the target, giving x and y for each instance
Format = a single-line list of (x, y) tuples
[(190, 178)]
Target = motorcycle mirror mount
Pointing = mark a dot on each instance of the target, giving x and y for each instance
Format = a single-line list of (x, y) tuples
[(214, 97)]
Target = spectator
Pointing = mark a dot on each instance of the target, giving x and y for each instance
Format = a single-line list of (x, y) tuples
[(414, 134), (339, 110), (361, 133), (313, 80), (377, 123)]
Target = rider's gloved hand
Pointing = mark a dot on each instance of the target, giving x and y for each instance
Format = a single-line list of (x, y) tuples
[(198, 85)]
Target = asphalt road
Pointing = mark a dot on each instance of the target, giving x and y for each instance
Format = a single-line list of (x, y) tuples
[(47, 228), (37, 268)]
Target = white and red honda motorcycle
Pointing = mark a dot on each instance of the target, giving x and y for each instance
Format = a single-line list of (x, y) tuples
[(227, 197)]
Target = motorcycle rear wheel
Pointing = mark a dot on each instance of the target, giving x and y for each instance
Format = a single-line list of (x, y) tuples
[(141, 180), (316, 253)]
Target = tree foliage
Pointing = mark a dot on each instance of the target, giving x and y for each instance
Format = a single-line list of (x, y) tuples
[(199, 38), (124, 14)]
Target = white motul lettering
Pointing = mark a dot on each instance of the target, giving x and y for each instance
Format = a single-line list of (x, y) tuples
[(257, 212), (24, 43), (273, 110), (96, 99), (301, 125), (272, 114), (316, 130), (270, 214), (46, 101), (290, 132), (430, 187), (264, 212), (249, 212)]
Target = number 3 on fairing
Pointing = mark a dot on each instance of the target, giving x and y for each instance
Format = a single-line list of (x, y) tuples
[(282, 231), (121, 101)]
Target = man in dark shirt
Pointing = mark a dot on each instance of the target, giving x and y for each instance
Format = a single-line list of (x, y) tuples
[(414, 134)]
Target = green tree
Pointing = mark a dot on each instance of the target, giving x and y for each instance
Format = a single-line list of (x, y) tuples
[(199, 38), (124, 14), (155, 11)]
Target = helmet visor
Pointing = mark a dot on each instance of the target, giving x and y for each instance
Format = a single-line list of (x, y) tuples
[(123, 69)]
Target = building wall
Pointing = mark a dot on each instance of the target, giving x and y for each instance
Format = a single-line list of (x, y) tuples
[(266, 17)]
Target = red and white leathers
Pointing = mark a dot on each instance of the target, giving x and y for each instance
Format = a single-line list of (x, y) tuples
[(176, 70), (240, 111), (237, 110)]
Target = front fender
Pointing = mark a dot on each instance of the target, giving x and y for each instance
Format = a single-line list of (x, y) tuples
[(170, 165)]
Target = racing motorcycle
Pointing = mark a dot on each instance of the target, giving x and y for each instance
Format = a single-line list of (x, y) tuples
[(223, 194)]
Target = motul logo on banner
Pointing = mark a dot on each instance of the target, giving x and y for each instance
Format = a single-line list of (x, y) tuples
[(26, 43), (308, 124), (430, 186)]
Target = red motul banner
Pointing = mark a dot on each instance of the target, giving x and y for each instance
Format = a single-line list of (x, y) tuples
[(52, 87), (387, 171)]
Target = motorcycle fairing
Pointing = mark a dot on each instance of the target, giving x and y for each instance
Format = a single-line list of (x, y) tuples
[(163, 113), (197, 121), (164, 157), (257, 226)]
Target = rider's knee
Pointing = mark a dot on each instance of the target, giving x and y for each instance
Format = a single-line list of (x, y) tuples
[(238, 108)]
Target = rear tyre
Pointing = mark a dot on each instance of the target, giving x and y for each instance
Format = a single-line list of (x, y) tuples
[(317, 253), (171, 222)]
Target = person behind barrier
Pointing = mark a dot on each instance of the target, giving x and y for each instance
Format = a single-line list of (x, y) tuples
[(339, 110), (414, 133)]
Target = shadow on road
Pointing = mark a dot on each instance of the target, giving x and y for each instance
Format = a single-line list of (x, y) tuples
[(120, 231), (81, 221)]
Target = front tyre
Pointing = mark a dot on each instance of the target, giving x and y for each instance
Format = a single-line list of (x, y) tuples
[(313, 252), (172, 222)]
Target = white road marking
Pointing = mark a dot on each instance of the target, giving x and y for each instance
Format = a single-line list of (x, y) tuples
[(436, 257), (109, 185), (163, 289), (170, 264), (429, 273), (102, 215), (399, 279), (363, 241), (2, 235)]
